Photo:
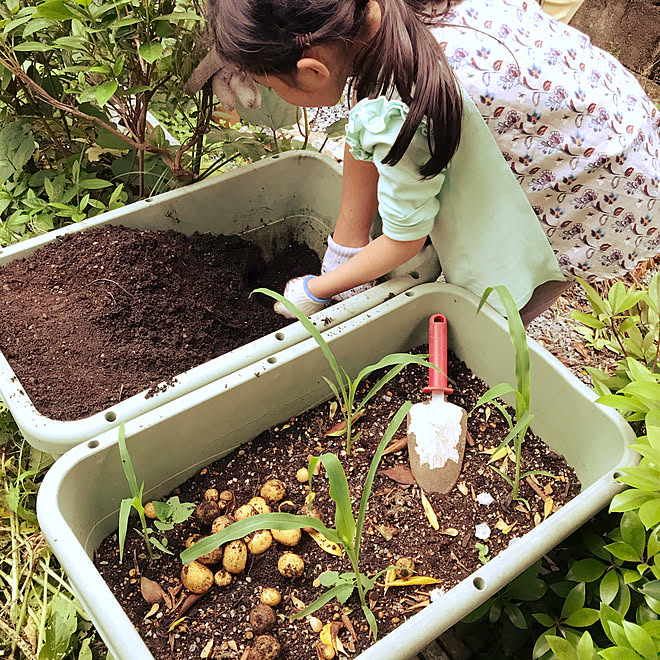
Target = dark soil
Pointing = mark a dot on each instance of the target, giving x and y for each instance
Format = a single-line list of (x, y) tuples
[(217, 625), (104, 314)]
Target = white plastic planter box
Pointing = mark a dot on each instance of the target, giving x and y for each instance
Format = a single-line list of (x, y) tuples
[(296, 194), (79, 500)]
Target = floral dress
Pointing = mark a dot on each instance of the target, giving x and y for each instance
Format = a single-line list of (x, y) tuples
[(578, 131)]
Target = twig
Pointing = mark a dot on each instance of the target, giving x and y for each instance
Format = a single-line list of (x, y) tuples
[(536, 488), (104, 279)]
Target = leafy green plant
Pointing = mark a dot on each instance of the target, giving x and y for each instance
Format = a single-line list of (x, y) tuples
[(347, 531), (521, 392), (169, 513), (345, 388)]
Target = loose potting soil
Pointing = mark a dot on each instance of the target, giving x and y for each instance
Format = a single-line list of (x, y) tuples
[(100, 315), (475, 521)]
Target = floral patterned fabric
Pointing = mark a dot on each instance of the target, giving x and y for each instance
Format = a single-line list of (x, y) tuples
[(576, 128)]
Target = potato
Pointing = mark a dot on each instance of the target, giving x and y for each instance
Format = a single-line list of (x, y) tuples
[(273, 490), (405, 567), (302, 475), (290, 565), (262, 618), (196, 577), (265, 647), (244, 511), (289, 537), (226, 496), (206, 512), (222, 578), (259, 505), (149, 511), (259, 541), (235, 557), (326, 652), (221, 522), (211, 495), (270, 596)]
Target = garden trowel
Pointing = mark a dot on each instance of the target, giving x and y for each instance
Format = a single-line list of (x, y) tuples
[(436, 428)]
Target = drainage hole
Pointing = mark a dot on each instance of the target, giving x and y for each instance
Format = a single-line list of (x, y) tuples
[(415, 275), (279, 336), (92, 444), (110, 417), (410, 294), (479, 583), (272, 360)]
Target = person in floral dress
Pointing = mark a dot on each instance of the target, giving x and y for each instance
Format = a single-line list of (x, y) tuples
[(575, 126)]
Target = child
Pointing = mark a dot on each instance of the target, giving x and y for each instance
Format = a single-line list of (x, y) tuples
[(418, 150)]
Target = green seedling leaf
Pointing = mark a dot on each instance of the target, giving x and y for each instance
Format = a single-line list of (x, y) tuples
[(371, 620), (334, 592), (246, 526), (159, 546)]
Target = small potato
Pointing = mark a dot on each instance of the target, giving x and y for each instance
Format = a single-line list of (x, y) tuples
[(221, 522), (211, 494), (288, 537), (196, 577), (405, 567), (270, 596), (265, 647), (290, 565), (244, 511), (235, 557), (262, 618), (326, 652), (222, 578), (302, 475), (192, 539), (226, 496), (259, 505), (210, 558), (206, 512), (273, 490), (150, 511), (259, 541)]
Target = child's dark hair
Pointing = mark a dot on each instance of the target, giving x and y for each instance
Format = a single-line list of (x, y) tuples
[(269, 37)]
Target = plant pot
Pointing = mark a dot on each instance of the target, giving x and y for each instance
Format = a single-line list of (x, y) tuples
[(79, 500), (293, 195)]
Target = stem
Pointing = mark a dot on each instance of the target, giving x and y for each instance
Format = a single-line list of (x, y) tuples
[(516, 479), (306, 128), (216, 166), (42, 622), (353, 555), (277, 145), (145, 531), (618, 339), (657, 351)]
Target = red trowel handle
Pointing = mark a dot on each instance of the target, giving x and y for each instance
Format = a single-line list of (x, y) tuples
[(438, 354)]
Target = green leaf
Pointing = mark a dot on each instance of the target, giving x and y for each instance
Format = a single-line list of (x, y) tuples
[(649, 513), (640, 640), (628, 500), (344, 521), (608, 617), (179, 16), (544, 619), (151, 52), (16, 148), (104, 91), (516, 616), (93, 184), (55, 10), (618, 653), (562, 648), (609, 587), (574, 601), (274, 113), (633, 532), (651, 589), (126, 463), (251, 524), (336, 591), (61, 626), (337, 128), (124, 512), (586, 570), (371, 620), (582, 618), (85, 652), (588, 320), (585, 647)]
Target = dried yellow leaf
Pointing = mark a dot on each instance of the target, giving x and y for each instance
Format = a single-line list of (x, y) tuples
[(462, 488), (504, 527), (547, 489), (325, 545), (206, 651), (430, 513), (450, 531), (176, 624), (333, 408), (547, 507), (326, 635), (537, 519), (414, 580), (511, 455), (154, 608), (487, 413), (496, 455)]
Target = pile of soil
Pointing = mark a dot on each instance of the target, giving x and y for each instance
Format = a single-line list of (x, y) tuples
[(100, 315), (217, 624)]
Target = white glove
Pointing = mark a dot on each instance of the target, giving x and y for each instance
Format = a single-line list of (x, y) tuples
[(335, 256), (297, 291), (227, 81)]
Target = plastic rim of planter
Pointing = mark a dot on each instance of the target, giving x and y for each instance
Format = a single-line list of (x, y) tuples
[(79, 499), (293, 194)]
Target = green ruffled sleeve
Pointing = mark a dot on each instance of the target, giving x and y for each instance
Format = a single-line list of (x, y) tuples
[(406, 203)]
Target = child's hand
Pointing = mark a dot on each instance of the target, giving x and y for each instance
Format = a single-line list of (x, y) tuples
[(297, 292), (228, 82), (337, 255)]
